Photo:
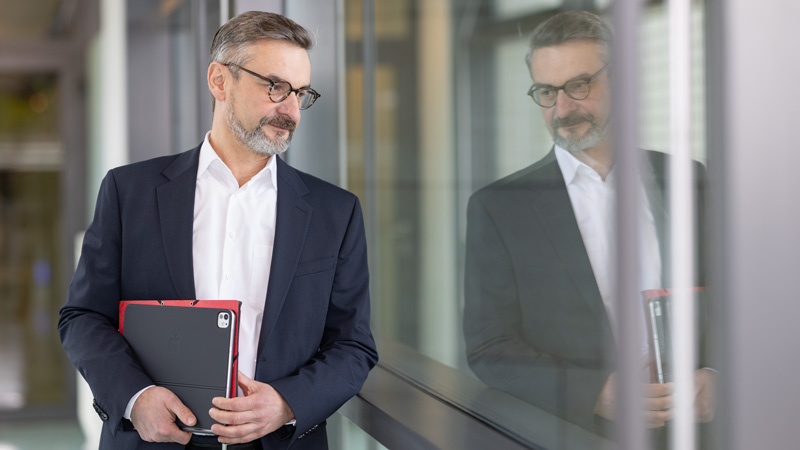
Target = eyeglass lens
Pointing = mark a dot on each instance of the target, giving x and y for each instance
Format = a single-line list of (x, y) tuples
[(281, 89), (576, 89)]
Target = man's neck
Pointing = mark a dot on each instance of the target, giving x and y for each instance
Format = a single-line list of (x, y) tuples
[(598, 158), (243, 163)]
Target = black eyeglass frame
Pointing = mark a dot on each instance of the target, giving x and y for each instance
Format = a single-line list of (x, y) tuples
[(588, 81), (305, 91)]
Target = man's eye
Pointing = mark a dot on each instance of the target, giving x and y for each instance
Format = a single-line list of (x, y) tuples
[(545, 92), (280, 88), (580, 84)]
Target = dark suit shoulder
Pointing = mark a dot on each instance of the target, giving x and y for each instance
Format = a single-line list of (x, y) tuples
[(660, 161), (542, 173), (159, 168), (314, 190)]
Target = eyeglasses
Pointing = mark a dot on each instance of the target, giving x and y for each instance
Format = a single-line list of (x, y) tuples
[(280, 90), (546, 96)]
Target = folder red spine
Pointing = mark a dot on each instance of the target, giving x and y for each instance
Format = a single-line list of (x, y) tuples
[(233, 305)]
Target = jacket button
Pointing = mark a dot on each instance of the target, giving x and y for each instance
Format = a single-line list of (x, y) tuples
[(99, 411)]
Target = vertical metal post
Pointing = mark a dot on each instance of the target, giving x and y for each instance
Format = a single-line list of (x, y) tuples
[(369, 62), (681, 220), (201, 46), (341, 84), (625, 85), (224, 11)]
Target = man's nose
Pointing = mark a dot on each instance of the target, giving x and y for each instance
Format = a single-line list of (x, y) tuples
[(564, 103), (291, 107)]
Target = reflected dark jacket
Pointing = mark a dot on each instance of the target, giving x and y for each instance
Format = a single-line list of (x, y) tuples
[(315, 346), (534, 321)]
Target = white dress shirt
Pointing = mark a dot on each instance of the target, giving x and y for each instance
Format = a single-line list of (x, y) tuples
[(232, 240), (593, 202)]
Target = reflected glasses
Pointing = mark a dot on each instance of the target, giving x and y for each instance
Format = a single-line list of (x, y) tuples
[(280, 90), (546, 96)]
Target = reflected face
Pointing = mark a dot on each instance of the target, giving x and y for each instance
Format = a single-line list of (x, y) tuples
[(262, 126), (576, 125)]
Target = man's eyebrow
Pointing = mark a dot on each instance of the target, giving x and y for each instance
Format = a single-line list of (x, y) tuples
[(274, 77), (582, 76)]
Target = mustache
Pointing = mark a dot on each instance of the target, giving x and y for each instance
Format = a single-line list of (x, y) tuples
[(572, 119), (280, 121)]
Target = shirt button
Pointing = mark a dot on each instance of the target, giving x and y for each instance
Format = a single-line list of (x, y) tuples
[(227, 276), (232, 234)]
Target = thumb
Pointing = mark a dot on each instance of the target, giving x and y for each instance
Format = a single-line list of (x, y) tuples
[(246, 383), (181, 411)]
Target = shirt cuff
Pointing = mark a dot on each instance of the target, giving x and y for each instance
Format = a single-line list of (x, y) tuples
[(133, 399)]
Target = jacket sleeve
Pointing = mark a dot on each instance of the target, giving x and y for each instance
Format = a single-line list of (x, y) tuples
[(497, 350), (347, 350), (88, 323)]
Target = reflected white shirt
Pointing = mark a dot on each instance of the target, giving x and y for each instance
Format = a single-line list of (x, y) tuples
[(593, 202), (232, 240)]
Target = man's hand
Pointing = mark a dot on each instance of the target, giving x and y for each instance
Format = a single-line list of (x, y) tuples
[(705, 381), (658, 399), (657, 402), (154, 413), (261, 411)]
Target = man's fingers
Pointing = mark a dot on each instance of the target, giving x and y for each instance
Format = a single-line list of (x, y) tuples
[(233, 404), (231, 417), (236, 434), (658, 403), (658, 389), (247, 384), (182, 437), (182, 412), (656, 419)]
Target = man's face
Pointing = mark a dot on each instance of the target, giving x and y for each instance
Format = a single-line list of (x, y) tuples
[(576, 125), (261, 125)]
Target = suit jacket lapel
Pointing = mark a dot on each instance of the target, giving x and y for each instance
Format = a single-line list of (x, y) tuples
[(176, 213), (554, 210), (291, 225)]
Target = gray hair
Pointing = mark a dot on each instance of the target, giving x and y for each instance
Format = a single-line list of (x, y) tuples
[(232, 39), (569, 26)]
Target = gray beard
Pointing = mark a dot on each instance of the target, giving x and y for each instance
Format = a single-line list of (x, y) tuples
[(594, 135), (256, 140)]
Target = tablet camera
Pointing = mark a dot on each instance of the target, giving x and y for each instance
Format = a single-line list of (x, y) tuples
[(223, 319)]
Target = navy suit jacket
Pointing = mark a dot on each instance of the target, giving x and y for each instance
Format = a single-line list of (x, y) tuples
[(315, 347), (534, 321)]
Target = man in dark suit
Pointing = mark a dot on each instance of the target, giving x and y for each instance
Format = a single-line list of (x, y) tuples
[(230, 220), (540, 309)]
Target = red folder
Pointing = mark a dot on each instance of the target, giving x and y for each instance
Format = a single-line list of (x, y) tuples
[(233, 305)]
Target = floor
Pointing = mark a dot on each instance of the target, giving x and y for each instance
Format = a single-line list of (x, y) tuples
[(41, 436)]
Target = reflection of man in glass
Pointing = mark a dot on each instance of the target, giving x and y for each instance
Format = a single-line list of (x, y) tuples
[(540, 311)]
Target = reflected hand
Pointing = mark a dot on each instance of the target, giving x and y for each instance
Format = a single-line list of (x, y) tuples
[(705, 381), (261, 411), (154, 413), (657, 402)]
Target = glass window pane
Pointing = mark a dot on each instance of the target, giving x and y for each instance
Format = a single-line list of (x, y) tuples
[(494, 252)]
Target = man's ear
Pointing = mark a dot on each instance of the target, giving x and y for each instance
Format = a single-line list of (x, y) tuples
[(217, 80)]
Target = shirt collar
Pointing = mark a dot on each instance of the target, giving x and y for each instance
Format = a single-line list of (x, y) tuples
[(570, 166), (208, 156)]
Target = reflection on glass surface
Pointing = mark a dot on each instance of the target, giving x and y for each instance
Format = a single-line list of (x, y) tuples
[(541, 304), (498, 213)]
